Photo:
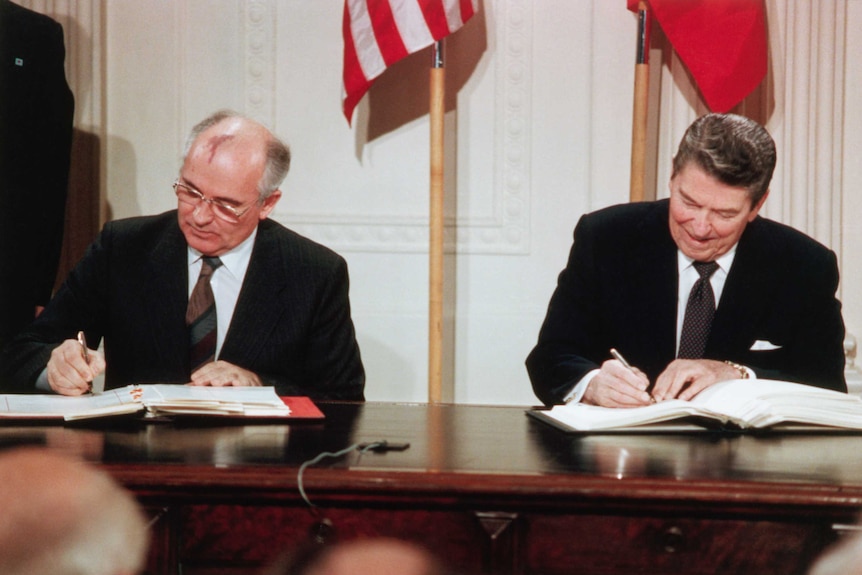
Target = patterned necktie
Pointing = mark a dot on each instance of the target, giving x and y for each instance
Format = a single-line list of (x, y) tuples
[(201, 316), (698, 313)]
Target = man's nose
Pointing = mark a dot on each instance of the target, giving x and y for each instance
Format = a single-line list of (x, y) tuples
[(203, 213), (702, 224)]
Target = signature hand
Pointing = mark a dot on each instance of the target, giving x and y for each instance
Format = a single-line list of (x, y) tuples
[(616, 385), (69, 373)]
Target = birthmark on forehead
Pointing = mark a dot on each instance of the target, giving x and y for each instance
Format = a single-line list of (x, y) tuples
[(214, 143)]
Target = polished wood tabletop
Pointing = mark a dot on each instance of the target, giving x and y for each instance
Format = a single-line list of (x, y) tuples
[(488, 487), (485, 447)]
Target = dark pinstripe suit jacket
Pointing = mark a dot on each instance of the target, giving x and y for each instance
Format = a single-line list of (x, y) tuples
[(291, 325), (619, 289)]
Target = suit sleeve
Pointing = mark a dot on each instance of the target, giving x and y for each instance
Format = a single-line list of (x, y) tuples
[(331, 362), (567, 337), (78, 305)]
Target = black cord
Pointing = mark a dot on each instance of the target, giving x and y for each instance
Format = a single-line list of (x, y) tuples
[(360, 447)]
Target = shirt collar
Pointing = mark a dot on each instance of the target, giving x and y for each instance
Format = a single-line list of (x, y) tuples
[(724, 261), (235, 260)]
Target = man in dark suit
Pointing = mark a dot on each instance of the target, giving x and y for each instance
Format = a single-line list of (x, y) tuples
[(36, 114), (633, 267), (278, 311)]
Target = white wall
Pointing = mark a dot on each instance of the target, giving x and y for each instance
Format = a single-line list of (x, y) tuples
[(537, 134)]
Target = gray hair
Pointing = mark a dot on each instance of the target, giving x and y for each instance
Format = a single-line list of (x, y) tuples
[(277, 152), (735, 150)]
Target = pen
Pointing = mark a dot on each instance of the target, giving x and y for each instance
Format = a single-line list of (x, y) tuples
[(83, 341), (85, 352), (619, 357)]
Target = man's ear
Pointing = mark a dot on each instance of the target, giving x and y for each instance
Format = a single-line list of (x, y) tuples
[(756, 209), (269, 204)]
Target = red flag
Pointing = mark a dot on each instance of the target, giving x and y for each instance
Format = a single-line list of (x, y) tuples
[(722, 43), (378, 33)]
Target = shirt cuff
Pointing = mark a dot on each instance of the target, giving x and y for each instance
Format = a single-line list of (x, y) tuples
[(577, 392), (42, 382)]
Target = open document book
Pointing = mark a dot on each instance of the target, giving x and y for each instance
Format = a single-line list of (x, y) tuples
[(734, 404), (156, 400)]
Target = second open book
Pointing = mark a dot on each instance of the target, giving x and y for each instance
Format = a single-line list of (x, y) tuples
[(735, 404), (158, 400)]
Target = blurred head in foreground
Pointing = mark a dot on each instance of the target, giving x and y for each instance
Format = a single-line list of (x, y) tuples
[(843, 558), (378, 556), (61, 516)]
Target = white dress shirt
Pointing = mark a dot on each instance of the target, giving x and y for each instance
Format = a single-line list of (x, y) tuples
[(226, 282), (687, 276)]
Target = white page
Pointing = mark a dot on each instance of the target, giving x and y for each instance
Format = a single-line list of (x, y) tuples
[(174, 393), (49, 405), (745, 402), (762, 402), (591, 417)]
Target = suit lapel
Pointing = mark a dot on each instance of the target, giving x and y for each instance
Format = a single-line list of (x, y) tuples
[(258, 309), (654, 285), (745, 294), (169, 266)]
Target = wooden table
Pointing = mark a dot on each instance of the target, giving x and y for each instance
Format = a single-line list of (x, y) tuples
[(488, 488)]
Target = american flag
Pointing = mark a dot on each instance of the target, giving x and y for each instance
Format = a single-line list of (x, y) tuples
[(378, 33)]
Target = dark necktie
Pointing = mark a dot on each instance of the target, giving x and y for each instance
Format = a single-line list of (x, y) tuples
[(201, 316), (698, 313)]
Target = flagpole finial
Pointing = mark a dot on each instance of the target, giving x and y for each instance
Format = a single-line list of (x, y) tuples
[(643, 33), (437, 55)]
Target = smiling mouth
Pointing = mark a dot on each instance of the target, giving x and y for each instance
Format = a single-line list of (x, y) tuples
[(698, 240)]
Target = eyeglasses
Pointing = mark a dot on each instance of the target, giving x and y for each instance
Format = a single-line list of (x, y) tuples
[(188, 195)]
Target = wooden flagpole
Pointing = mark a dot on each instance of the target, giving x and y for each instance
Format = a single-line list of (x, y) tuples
[(637, 180), (435, 279)]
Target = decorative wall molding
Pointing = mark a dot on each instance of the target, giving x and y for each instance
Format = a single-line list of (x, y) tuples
[(259, 34)]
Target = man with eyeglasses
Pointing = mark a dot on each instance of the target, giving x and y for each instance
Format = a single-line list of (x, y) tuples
[(213, 293)]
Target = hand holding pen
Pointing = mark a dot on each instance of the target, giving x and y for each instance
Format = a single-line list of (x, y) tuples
[(618, 384), (619, 357), (72, 366)]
